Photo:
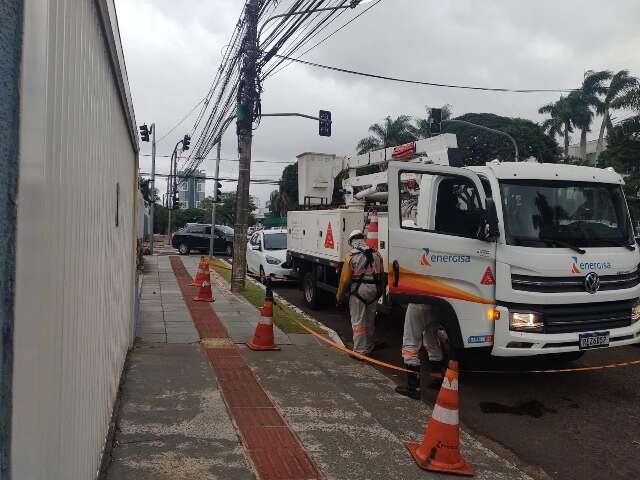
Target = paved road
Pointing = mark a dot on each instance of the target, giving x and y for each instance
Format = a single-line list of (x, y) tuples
[(572, 425)]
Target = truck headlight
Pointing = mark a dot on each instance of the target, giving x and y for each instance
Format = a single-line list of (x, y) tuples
[(273, 260), (635, 311), (525, 322)]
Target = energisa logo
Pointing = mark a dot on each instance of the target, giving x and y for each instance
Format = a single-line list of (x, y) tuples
[(427, 258), (579, 266)]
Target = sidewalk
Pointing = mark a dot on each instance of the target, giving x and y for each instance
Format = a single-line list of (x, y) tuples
[(307, 411)]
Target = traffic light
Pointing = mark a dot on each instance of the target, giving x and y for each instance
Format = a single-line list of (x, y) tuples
[(435, 117), (216, 191), (324, 123), (144, 133), (186, 141), (176, 201)]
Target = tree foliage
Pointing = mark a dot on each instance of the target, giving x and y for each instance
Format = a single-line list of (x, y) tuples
[(480, 146), (225, 213), (393, 131)]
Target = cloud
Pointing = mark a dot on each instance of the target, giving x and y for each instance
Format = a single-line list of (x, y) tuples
[(173, 49)]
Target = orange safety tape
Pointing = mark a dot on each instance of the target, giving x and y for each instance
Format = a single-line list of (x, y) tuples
[(346, 350), (400, 369), (562, 370)]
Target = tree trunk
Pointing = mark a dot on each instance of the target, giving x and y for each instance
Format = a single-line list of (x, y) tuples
[(566, 142), (605, 117), (583, 144)]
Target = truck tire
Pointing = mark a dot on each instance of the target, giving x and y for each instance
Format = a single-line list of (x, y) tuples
[(311, 291)]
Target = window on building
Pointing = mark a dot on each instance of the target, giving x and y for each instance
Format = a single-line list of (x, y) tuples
[(200, 186), (197, 204), (184, 186)]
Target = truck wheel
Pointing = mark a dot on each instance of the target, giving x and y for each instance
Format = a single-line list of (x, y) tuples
[(184, 249), (310, 290)]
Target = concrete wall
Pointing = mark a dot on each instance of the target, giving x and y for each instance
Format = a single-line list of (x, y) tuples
[(10, 53), (75, 246)]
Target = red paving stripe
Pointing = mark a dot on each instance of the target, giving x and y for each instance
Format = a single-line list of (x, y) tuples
[(283, 464), (275, 451), (257, 417)]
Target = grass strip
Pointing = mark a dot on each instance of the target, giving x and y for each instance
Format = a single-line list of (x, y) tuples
[(285, 318)]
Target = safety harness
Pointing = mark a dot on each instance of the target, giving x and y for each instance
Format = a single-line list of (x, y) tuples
[(356, 281)]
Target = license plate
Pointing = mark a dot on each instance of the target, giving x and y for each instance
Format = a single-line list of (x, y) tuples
[(594, 340)]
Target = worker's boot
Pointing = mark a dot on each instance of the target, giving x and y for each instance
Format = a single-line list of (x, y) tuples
[(412, 389), (437, 370)]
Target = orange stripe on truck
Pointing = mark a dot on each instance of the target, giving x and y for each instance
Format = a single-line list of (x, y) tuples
[(412, 283)]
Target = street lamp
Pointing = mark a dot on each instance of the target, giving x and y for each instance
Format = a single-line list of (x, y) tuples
[(352, 4), (482, 127)]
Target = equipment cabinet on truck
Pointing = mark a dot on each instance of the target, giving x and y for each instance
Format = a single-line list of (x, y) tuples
[(316, 246)]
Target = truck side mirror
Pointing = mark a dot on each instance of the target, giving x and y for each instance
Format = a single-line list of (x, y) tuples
[(489, 230)]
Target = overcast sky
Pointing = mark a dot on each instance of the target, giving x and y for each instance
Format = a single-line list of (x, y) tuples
[(173, 49)]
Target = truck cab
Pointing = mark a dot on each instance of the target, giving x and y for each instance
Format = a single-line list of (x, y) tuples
[(522, 258)]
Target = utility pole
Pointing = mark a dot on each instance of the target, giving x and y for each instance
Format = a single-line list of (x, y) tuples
[(215, 199), (169, 198), (153, 183), (248, 98)]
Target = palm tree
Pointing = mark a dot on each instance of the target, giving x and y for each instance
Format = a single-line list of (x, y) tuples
[(422, 126), (562, 114), (584, 100), (278, 204), (388, 134), (620, 94)]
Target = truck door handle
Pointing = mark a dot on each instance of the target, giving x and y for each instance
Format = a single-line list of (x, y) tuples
[(396, 273)]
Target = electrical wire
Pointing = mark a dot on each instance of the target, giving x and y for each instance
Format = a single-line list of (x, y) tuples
[(430, 84), (327, 37), (181, 121), (287, 162)]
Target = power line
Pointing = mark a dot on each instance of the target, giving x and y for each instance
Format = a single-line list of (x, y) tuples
[(261, 181), (430, 84), (284, 162), (181, 121), (271, 72)]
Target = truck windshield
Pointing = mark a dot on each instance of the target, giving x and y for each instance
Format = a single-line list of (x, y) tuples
[(565, 214), (275, 241)]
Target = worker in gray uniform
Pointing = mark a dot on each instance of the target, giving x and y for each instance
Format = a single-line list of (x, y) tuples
[(420, 329), (362, 277)]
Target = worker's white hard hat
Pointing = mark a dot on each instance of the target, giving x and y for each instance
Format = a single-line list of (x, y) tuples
[(355, 234)]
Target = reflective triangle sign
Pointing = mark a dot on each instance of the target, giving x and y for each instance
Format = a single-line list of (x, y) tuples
[(328, 239), (488, 278)]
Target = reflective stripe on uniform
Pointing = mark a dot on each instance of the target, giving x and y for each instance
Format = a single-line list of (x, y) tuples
[(444, 415), (409, 353), (360, 330)]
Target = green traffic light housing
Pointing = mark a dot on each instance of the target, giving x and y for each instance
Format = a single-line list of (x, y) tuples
[(144, 133)]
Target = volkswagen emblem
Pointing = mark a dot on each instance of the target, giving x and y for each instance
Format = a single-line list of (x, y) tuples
[(592, 282)]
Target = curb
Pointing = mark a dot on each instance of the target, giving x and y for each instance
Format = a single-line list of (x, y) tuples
[(330, 332)]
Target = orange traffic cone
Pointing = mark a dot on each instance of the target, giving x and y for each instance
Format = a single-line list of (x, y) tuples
[(202, 274), (204, 291), (372, 230), (440, 449), (263, 336)]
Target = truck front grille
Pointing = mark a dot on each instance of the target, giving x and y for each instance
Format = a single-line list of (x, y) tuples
[(584, 317), (572, 284)]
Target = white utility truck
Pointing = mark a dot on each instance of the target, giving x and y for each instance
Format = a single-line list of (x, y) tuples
[(522, 258)]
